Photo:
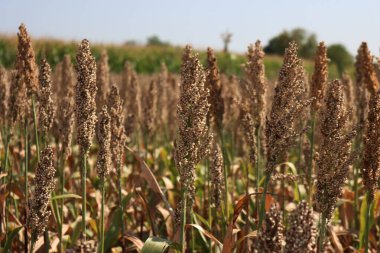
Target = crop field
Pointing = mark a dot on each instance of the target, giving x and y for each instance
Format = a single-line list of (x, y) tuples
[(108, 148)]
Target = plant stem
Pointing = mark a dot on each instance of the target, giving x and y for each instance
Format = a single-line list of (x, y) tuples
[(83, 174), (183, 222), (8, 137), (62, 188), (46, 240), (257, 167), (35, 128), (120, 201), (225, 166), (262, 203), (367, 221), (310, 167), (322, 233), (32, 246), (102, 185), (26, 162)]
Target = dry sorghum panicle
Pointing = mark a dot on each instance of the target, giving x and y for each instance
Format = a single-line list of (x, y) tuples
[(289, 104), (65, 118), (102, 80), (319, 78), (371, 158), (116, 112), (103, 164), (348, 90), (270, 239), (162, 105), (65, 112), (215, 87), (248, 125), (26, 63), (4, 86), (125, 80), (85, 96), (361, 97), (300, 236), (67, 77), (192, 140), (172, 99), (132, 105), (46, 108), (255, 85), (334, 156), (366, 68), (24, 82), (44, 185), (231, 95), (149, 106), (216, 175)]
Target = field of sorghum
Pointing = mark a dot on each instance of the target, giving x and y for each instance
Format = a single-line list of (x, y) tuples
[(93, 161)]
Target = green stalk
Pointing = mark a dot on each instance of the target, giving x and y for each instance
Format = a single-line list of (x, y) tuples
[(257, 167), (8, 137), (367, 221), (62, 185), (46, 240), (183, 222), (32, 246), (225, 174), (120, 200), (262, 203), (102, 216), (310, 167), (322, 233), (35, 128), (26, 162), (83, 174)]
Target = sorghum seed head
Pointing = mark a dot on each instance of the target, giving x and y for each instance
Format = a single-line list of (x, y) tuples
[(301, 234), (103, 163), (335, 155), (192, 140), (215, 87), (319, 78), (270, 238), (116, 112), (46, 108), (44, 185), (85, 96), (289, 104), (371, 158)]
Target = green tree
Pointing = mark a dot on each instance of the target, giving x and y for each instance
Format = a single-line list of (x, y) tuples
[(338, 54), (154, 40), (307, 42)]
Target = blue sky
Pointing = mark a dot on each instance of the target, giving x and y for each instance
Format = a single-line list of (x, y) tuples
[(198, 22)]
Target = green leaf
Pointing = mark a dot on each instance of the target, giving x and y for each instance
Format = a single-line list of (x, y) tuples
[(363, 220), (66, 196), (203, 220), (56, 213), (156, 245), (10, 238), (114, 229)]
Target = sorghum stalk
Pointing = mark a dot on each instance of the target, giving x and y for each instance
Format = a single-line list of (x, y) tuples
[(103, 163), (85, 113), (192, 142), (318, 84), (118, 139), (371, 156), (334, 157)]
